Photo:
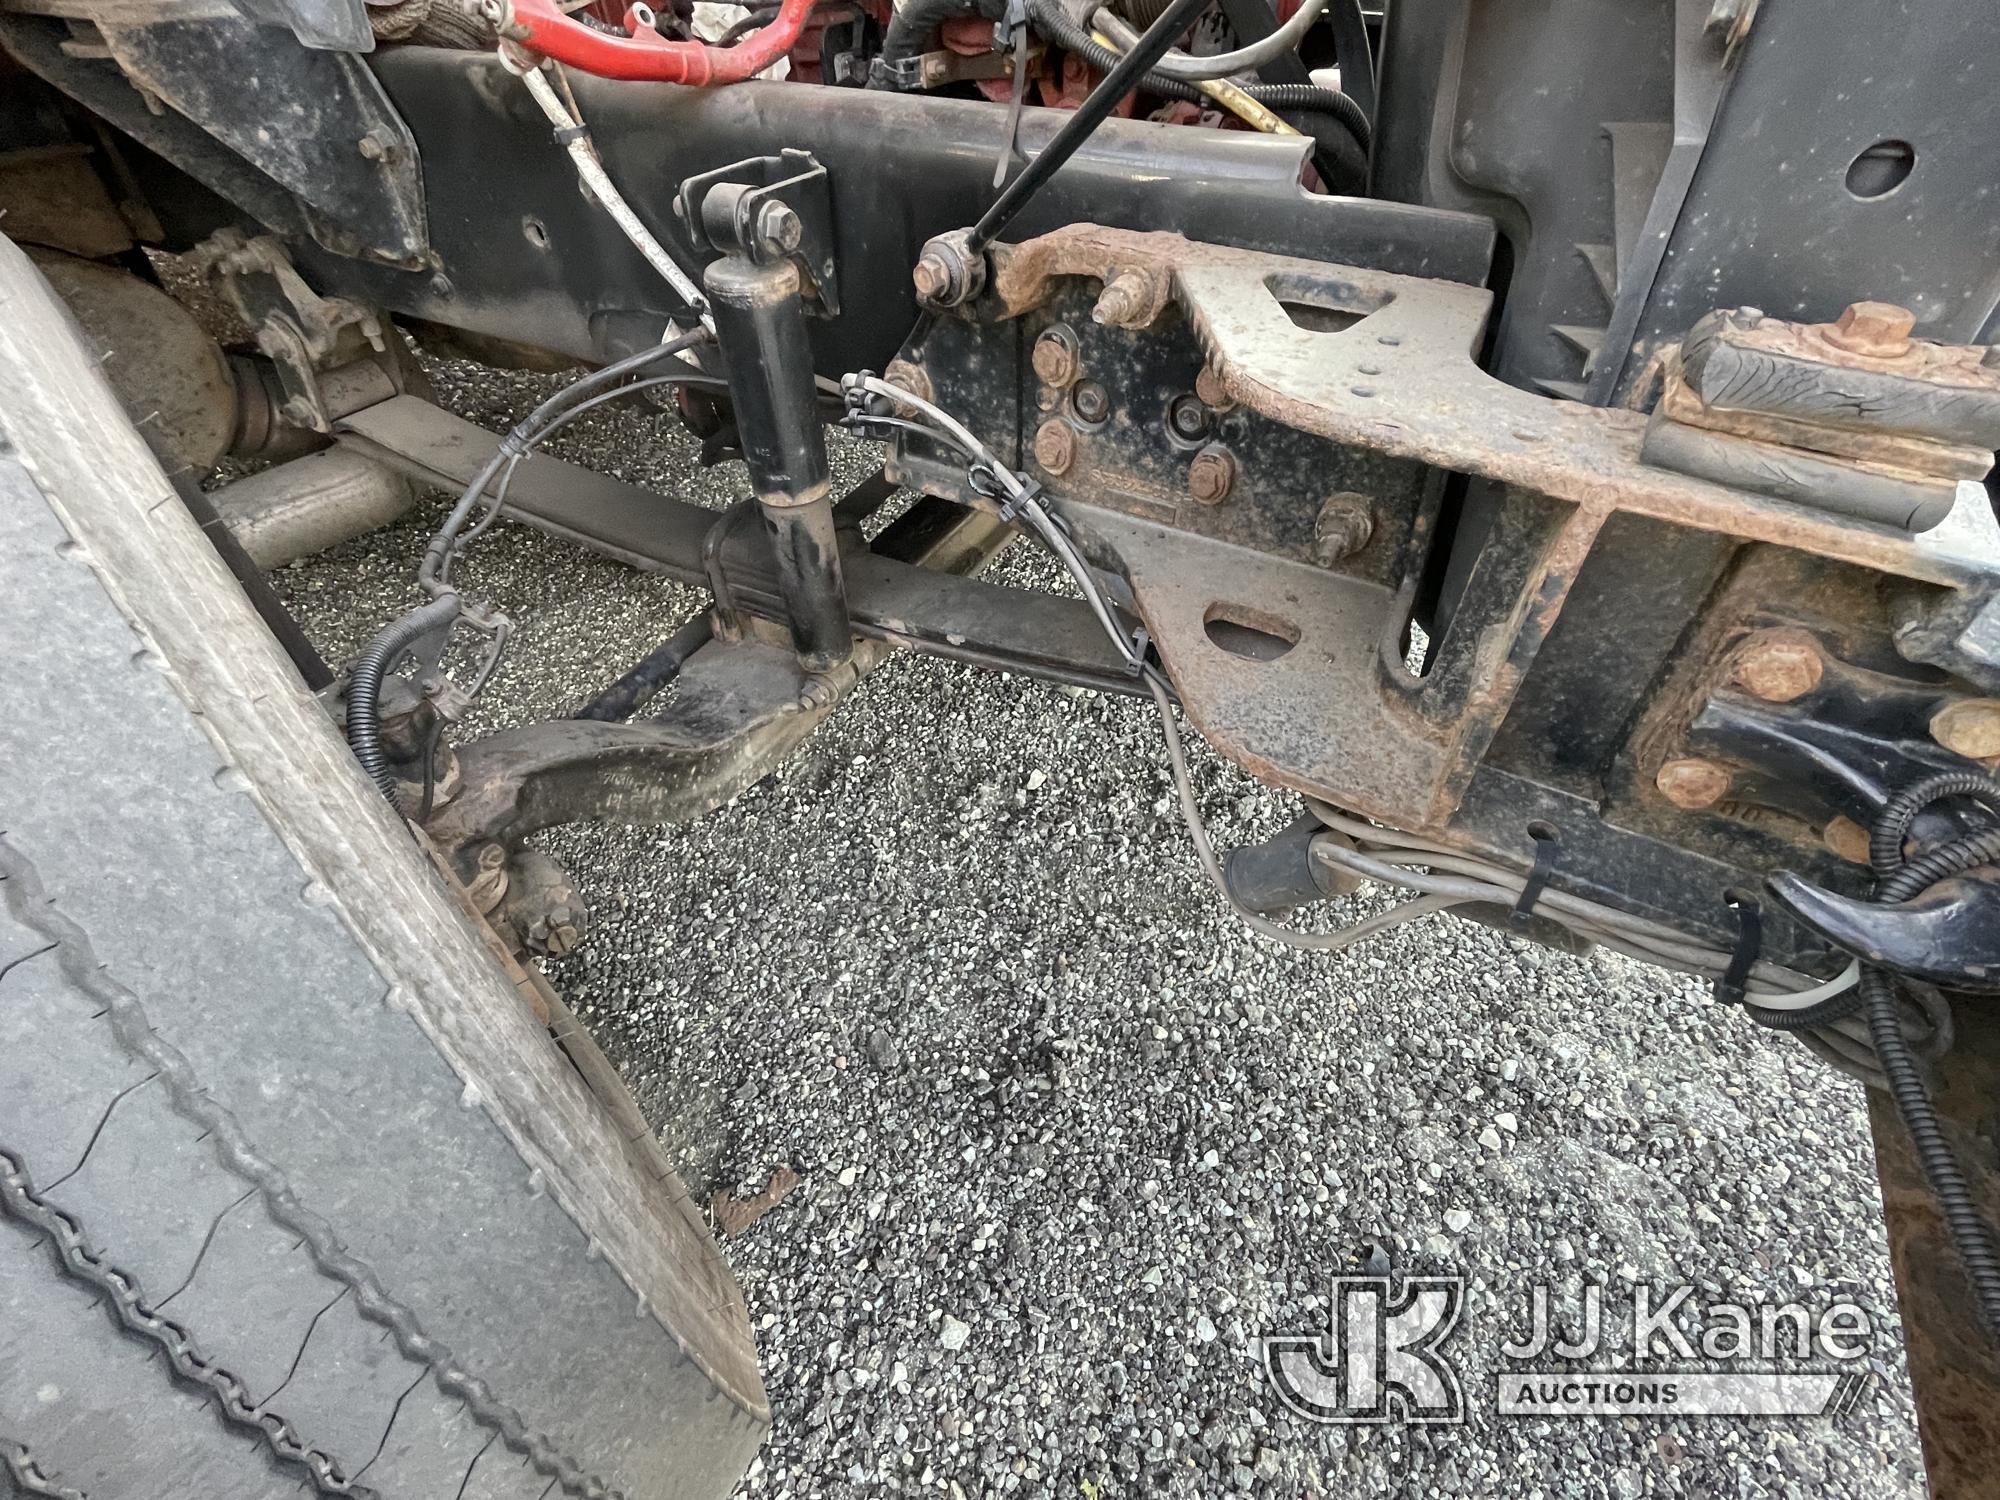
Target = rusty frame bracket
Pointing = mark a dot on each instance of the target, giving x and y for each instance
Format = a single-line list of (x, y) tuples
[(1382, 365)]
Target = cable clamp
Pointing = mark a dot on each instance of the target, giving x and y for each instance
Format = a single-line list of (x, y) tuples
[(1013, 505), (1547, 844), (1141, 644), (1729, 989), (903, 75), (1012, 21), (565, 134)]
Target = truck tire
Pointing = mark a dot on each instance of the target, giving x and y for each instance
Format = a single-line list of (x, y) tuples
[(296, 1196)]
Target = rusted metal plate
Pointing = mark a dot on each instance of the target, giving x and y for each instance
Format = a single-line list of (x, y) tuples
[(1386, 362)]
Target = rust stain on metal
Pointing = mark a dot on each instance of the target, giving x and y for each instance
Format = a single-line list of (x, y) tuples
[(1426, 399)]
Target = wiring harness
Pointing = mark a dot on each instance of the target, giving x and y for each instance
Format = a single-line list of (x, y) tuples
[(427, 629)]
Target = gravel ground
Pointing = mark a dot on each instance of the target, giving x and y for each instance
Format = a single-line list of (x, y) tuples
[(1071, 1139)]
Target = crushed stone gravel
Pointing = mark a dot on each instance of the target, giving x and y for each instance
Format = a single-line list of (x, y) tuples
[(1071, 1139)]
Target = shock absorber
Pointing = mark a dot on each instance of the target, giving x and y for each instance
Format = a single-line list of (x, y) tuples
[(760, 324)]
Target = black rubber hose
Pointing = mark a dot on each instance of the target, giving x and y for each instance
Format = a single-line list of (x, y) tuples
[(1056, 25), (1311, 99), (1899, 1066), (1832, 1008), (1892, 824), (364, 686)]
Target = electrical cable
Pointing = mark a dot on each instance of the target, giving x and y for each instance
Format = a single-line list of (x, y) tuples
[(434, 571), (583, 154), (1177, 64), (1057, 25), (364, 687), (1893, 1054)]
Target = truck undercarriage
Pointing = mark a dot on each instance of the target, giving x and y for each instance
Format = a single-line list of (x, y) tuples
[(1552, 447)]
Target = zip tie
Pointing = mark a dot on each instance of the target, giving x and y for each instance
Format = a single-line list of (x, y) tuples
[(1729, 988), (1547, 843)]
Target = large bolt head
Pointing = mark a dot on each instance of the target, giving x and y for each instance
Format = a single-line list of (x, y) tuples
[(932, 277), (1779, 666), (1969, 727), (779, 228), (1693, 783), (1054, 358), (1211, 475), (1055, 447), (1880, 330)]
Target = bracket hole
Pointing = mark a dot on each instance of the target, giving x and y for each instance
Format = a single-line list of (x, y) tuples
[(1252, 634), (1320, 319), (536, 231), (1543, 833), (1881, 169)]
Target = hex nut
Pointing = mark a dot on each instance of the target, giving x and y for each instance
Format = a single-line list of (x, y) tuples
[(1212, 475), (1692, 782), (1969, 727), (1878, 330), (1345, 525), (1091, 404), (1055, 446), (913, 378), (1779, 666), (1125, 301), (1055, 357)]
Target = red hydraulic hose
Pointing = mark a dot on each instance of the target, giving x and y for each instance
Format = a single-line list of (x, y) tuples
[(647, 55)]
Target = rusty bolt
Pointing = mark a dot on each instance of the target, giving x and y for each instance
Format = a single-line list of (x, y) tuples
[(932, 277), (377, 145), (1692, 783), (1055, 446), (910, 377), (1208, 385), (1879, 330), (1124, 302), (1212, 474), (554, 933), (1848, 839), (1779, 665), (1055, 358), (1346, 522), (1969, 727)]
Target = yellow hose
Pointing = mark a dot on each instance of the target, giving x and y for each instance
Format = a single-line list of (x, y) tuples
[(1227, 94)]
